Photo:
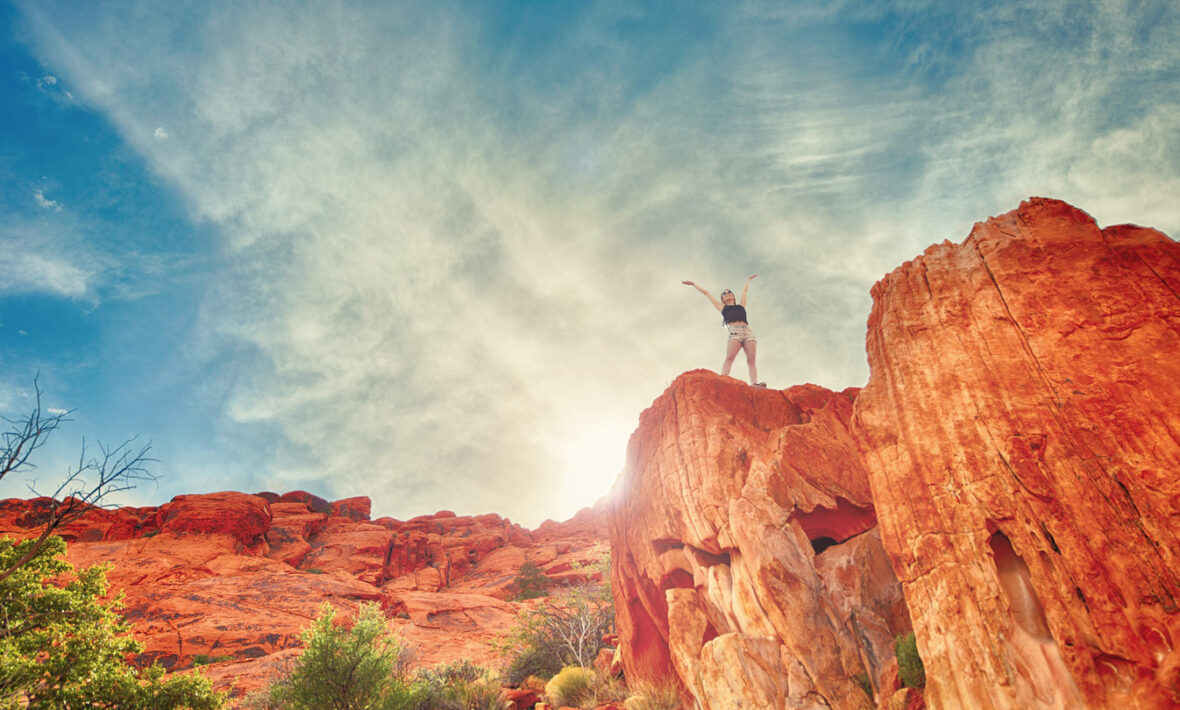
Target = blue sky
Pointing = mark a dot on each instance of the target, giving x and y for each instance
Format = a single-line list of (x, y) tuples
[(431, 252)]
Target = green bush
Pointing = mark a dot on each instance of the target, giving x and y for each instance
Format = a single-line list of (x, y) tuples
[(361, 668), (530, 582), (204, 659), (448, 673), (63, 649), (459, 686), (538, 658), (571, 686), (260, 700), (366, 668), (909, 663)]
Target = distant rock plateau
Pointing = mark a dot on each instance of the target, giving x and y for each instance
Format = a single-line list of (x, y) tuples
[(229, 580)]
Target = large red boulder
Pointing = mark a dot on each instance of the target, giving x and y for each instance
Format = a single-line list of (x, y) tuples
[(243, 517), (727, 498), (292, 524), (1020, 429), (359, 549), (357, 508)]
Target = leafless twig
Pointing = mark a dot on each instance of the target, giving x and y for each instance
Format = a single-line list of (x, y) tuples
[(114, 470)]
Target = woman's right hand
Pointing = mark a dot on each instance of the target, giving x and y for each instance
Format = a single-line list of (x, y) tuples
[(688, 283)]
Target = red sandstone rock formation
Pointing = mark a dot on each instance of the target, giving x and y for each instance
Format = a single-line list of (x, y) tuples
[(1022, 435), (745, 559), (235, 578)]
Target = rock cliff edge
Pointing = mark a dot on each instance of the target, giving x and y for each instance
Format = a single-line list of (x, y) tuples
[(1005, 485)]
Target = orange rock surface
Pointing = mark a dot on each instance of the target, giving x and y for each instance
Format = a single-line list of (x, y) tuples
[(231, 580), (1021, 440), (745, 559), (1022, 436)]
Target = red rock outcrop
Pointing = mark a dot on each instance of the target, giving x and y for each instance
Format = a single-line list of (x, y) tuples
[(233, 579), (1021, 440), (1022, 436), (745, 560)]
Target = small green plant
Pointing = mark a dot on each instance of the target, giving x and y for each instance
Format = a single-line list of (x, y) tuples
[(204, 659), (531, 582), (314, 570), (862, 679), (570, 687), (909, 663)]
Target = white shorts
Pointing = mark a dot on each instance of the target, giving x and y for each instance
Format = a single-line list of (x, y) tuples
[(741, 332)]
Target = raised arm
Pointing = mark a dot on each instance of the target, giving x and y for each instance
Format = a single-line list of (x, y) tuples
[(708, 295), (746, 290)]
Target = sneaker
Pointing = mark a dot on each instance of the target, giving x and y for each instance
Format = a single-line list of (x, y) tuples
[(760, 384)]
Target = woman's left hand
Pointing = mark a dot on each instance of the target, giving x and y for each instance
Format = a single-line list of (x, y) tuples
[(753, 277)]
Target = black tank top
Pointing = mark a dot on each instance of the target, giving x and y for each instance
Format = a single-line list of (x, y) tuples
[(734, 314)]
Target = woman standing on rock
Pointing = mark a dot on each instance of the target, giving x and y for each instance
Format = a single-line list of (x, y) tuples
[(740, 335)]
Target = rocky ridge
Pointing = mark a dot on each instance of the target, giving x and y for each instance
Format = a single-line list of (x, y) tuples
[(229, 580)]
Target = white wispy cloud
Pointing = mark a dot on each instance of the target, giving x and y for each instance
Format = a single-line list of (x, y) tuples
[(454, 260), (45, 202), (35, 261)]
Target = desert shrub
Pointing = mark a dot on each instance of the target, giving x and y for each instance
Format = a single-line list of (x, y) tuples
[(909, 663), (459, 686), (571, 686), (537, 655), (605, 688), (356, 668), (654, 696), (530, 582), (260, 700), (460, 671), (204, 659), (565, 629), (61, 648), (462, 695)]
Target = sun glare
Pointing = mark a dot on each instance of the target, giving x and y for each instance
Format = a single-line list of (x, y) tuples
[(593, 455)]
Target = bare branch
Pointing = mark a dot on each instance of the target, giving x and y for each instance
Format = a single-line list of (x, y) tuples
[(28, 434), (87, 485)]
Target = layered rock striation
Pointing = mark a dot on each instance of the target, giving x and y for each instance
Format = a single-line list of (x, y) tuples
[(230, 580), (1006, 484)]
